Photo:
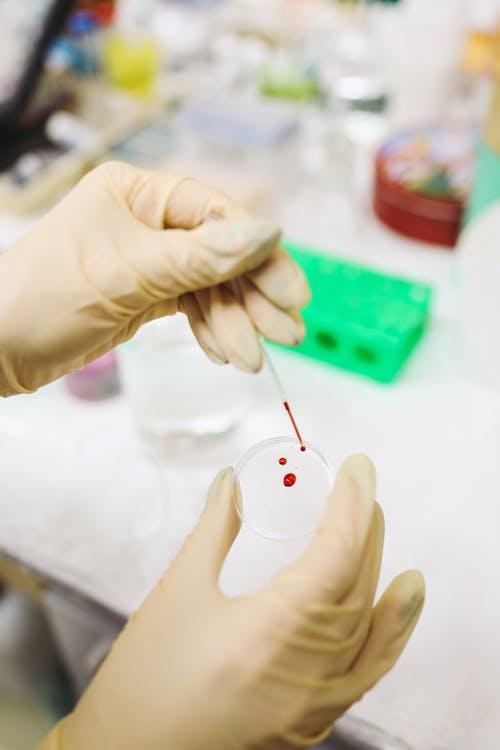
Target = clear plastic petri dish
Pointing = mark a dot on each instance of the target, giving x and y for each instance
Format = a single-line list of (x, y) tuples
[(283, 488)]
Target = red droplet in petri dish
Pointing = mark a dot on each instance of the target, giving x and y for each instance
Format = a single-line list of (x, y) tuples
[(282, 461), (289, 480), (302, 448)]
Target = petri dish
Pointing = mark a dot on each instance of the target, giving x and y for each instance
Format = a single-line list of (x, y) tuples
[(283, 488)]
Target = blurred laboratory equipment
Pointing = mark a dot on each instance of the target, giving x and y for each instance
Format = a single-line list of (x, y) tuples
[(97, 380), (479, 295), (83, 634), (243, 122), (349, 63), (184, 30), (479, 251), (68, 131), (482, 15), (55, 76), (132, 55), (289, 75), (423, 178), (251, 139), (419, 44), (352, 733), (360, 319), (31, 682), (175, 393), (486, 186), (82, 27), (26, 33)]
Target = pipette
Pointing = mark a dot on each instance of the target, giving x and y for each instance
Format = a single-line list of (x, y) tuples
[(281, 391)]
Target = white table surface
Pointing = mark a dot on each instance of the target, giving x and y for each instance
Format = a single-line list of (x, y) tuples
[(434, 436)]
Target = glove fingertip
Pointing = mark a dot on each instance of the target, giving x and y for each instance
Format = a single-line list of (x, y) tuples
[(240, 237), (221, 485), (412, 584), (362, 472), (402, 602)]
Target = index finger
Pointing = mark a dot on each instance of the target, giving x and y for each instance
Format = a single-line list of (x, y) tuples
[(281, 280), (327, 569)]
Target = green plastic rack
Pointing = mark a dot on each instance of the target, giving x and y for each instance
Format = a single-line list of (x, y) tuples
[(359, 319)]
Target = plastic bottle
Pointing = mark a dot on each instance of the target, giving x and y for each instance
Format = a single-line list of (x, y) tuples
[(132, 54), (479, 255), (95, 381)]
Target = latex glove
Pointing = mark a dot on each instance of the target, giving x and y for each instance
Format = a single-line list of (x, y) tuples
[(101, 263), (194, 669)]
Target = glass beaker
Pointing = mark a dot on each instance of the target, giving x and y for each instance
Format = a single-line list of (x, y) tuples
[(175, 391)]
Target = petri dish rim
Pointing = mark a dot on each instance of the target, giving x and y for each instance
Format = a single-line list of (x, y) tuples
[(251, 453)]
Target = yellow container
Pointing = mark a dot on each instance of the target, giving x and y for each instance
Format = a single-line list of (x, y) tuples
[(132, 63)]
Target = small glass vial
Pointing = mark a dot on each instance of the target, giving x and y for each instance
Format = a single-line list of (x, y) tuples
[(97, 380)]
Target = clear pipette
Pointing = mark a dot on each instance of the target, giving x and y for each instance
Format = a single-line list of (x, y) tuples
[(281, 391)]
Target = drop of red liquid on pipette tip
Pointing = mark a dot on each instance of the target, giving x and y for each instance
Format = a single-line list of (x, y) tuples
[(289, 480), (294, 424), (282, 461)]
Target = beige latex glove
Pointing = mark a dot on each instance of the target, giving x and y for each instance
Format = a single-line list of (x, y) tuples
[(194, 669), (124, 247)]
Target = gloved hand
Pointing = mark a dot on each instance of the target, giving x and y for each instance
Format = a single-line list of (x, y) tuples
[(125, 246), (194, 669)]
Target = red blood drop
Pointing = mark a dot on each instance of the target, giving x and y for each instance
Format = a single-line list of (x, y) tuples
[(302, 448), (289, 480), (282, 461)]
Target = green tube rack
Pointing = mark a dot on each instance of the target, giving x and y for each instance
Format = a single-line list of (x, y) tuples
[(359, 319)]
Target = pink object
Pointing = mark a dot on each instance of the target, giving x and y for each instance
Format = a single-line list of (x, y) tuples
[(97, 380)]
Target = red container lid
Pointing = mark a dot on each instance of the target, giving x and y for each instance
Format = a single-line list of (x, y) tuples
[(104, 13), (422, 180)]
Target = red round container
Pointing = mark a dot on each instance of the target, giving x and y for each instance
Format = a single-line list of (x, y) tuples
[(104, 13), (422, 179)]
